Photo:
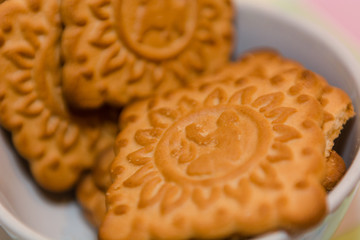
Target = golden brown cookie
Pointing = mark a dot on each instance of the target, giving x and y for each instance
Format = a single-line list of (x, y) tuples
[(101, 170), (91, 190), (241, 155), (116, 51), (268, 64), (58, 143), (335, 170), (338, 110), (91, 199), (265, 63)]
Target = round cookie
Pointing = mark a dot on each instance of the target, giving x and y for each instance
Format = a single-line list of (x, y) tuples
[(242, 155), (91, 199), (261, 63), (57, 142), (91, 189), (335, 170), (116, 51)]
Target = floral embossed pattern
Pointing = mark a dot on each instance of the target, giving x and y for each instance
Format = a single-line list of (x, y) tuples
[(132, 48), (58, 143), (233, 155), (266, 64)]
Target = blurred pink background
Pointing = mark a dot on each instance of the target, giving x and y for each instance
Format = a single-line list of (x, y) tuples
[(344, 14)]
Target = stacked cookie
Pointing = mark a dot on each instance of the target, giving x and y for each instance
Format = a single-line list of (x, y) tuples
[(204, 148), (58, 143)]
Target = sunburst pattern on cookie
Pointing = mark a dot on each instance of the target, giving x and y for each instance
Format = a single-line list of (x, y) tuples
[(57, 143), (119, 50), (337, 105), (243, 155)]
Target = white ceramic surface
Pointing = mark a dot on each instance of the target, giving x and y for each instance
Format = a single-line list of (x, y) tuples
[(26, 212)]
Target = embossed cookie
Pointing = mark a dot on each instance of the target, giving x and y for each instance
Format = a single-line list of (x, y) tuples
[(268, 64), (338, 110), (116, 51), (244, 155), (335, 170), (58, 143), (91, 200), (91, 190), (265, 63)]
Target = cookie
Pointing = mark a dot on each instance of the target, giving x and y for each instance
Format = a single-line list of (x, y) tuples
[(265, 63), (268, 63), (57, 142), (244, 155), (335, 170), (91, 189), (91, 199), (116, 51), (101, 170), (338, 110)]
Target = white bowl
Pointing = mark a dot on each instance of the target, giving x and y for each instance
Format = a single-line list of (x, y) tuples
[(26, 212)]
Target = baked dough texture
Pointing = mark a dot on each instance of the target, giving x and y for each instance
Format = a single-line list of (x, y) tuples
[(116, 51), (58, 143), (262, 63), (268, 63), (91, 189), (240, 155), (91, 193), (335, 169)]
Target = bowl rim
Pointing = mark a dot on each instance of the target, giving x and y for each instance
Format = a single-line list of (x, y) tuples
[(18, 229), (15, 228)]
